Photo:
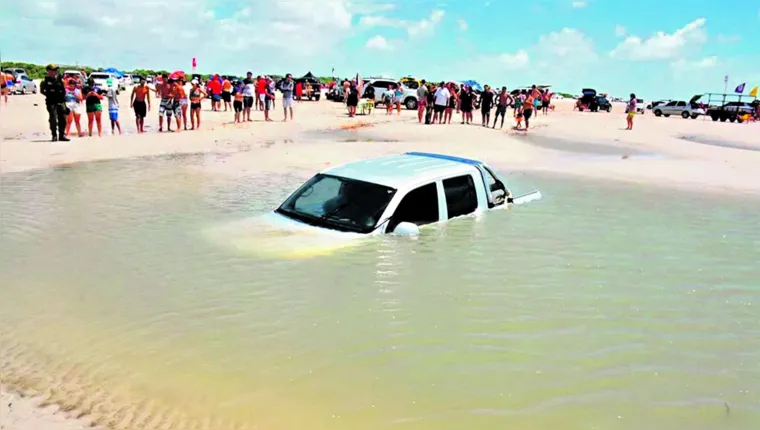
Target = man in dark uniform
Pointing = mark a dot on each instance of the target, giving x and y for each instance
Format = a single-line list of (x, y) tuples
[(55, 101)]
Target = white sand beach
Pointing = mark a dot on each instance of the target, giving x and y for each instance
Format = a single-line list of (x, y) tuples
[(674, 153)]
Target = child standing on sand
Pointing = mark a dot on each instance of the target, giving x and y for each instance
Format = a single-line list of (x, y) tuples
[(113, 109)]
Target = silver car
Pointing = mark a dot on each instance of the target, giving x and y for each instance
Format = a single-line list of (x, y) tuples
[(24, 85)]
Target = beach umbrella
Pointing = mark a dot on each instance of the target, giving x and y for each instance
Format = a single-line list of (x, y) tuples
[(473, 84), (113, 71), (177, 74)]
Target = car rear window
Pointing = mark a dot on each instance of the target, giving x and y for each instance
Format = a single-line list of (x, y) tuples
[(100, 76)]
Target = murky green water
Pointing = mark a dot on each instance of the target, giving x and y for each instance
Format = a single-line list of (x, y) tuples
[(600, 307)]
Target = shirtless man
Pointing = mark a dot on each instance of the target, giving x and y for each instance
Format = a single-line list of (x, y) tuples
[(166, 108), (140, 95), (503, 102)]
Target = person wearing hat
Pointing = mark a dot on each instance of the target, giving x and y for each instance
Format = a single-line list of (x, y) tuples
[(54, 91)]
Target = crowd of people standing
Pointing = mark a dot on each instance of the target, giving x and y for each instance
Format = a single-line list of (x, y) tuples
[(437, 104), (68, 97)]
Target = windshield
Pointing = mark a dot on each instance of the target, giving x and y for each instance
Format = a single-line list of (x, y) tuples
[(338, 203), (99, 76)]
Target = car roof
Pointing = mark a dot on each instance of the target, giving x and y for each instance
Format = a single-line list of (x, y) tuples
[(395, 171)]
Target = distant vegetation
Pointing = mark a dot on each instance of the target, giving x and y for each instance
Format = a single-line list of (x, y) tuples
[(37, 71)]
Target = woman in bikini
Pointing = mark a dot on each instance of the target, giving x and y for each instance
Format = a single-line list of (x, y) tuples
[(196, 96), (184, 102), (631, 111)]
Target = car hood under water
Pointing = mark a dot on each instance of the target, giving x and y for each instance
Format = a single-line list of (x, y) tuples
[(272, 235)]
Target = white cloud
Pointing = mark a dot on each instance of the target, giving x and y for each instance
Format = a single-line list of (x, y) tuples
[(724, 38), (620, 30), (426, 26), (371, 8), (579, 4), (683, 65), (378, 42), (662, 46), (156, 34), (567, 44), (463, 25), (381, 21), (518, 60)]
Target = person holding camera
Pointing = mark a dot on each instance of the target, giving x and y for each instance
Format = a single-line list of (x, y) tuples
[(55, 101)]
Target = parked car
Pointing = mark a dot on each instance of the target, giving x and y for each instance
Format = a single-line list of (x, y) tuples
[(136, 79), (24, 85), (652, 105), (679, 107), (408, 99), (731, 111), (101, 80), (590, 101), (603, 104), (316, 86), (15, 71), (77, 74)]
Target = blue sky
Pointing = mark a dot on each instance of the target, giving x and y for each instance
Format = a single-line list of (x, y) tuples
[(657, 49)]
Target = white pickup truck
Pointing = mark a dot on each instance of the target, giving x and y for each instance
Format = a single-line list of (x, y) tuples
[(389, 195)]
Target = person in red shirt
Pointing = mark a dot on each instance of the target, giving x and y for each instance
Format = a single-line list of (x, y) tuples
[(261, 91), (299, 91), (215, 86)]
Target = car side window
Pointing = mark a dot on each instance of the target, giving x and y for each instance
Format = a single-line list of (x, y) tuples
[(461, 196), (671, 104), (419, 206), (381, 84), (681, 104)]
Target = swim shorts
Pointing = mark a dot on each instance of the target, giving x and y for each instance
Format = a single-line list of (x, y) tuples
[(439, 108), (287, 102), (177, 108), (141, 109), (194, 106), (237, 105), (226, 96), (95, 108), (248, 102), (165, 108), (113, 114), (527, 113), (216, 98)]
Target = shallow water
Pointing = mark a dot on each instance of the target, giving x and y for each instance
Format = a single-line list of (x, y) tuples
[(720, 143), (600, 307)]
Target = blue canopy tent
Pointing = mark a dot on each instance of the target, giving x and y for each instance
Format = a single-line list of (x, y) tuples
[(115, 72), (473, 84)]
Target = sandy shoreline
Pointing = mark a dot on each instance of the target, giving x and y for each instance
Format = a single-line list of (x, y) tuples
[(698, 155), (21, 412)]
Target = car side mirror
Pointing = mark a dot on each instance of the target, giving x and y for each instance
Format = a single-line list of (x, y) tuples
[(406, 229)]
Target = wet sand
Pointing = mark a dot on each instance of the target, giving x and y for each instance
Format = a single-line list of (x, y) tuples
[(664, 152)]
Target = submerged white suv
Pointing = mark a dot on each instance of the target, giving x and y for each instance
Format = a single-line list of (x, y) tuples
[(684, 109)]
